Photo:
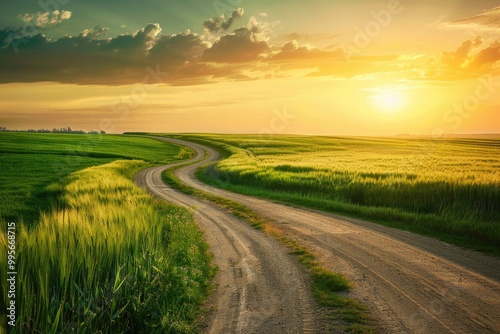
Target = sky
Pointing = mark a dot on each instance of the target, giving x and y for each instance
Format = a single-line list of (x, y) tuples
[(320, 67)]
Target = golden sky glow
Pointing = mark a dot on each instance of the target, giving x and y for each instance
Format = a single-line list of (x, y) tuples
[(369, 68)]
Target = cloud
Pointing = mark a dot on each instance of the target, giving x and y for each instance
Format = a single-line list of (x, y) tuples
[(34, 23), (465, 58), (238, 13), (292, 50), (94, 33), (218, 23), (244, 44), (487, 20), (91, 57), (238, 47), (469, 60), (460, 58), (83, 59), (487, 57), (45, 19), (178, 49), (244, 53), (133, 47), (8, 35)]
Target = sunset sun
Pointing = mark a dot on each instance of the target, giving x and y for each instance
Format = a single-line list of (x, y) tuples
[(388, 101)]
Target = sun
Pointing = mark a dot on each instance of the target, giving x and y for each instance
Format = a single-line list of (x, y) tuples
[(389, 101)]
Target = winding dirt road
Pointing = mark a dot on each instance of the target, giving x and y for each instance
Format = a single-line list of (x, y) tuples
[(260, 287), (411, 284)]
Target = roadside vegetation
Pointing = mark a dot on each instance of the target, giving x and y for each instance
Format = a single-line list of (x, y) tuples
[(103, 255), (448, 189)]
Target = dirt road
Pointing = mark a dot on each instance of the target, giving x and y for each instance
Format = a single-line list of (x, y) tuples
[(412, 284), (260, 287)]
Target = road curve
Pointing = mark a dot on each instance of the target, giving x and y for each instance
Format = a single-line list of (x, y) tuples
[(260, 287), (411, 283)]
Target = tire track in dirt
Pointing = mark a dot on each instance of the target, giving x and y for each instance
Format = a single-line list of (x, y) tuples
[(411, 283)]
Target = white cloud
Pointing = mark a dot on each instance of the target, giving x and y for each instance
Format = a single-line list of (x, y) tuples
[(45, 19), (94, 33)]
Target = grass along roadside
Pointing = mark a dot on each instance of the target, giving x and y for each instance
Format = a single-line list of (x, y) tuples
[(102, 255), (447, 190), (112, 260), (328, 288)]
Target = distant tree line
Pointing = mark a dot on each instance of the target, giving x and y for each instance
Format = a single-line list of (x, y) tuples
[(54, 130)]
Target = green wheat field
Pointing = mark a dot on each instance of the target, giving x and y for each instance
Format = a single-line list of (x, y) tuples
[(94, 253), (447, 188)]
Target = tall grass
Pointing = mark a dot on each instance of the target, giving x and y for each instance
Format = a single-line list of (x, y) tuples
[(446, 187), (110, 260)]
